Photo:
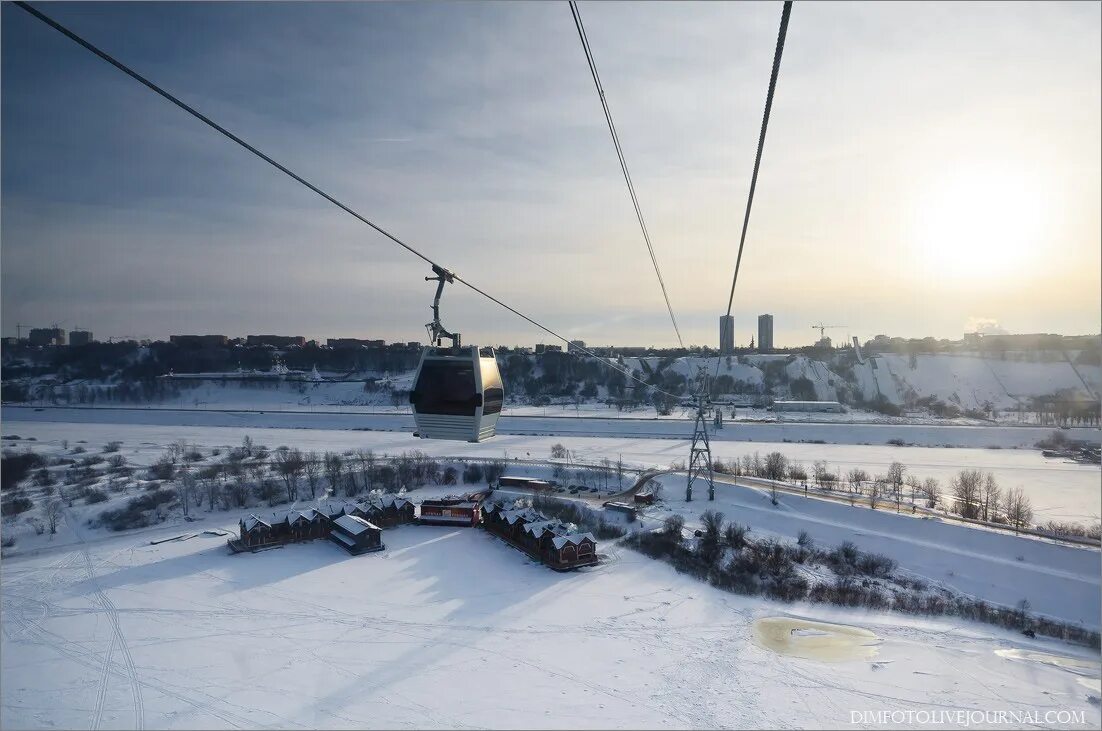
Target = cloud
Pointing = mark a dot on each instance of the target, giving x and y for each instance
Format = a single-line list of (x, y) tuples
[(983, 326), (473, 132)]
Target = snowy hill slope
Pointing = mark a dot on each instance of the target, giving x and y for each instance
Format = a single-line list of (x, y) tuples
[(972, 381), (969, 381)]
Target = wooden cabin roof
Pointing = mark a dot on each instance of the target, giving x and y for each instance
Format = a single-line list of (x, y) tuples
[(574, 539), (354, 525)]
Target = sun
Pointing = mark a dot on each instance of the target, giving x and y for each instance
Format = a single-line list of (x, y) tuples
[(980, 225)]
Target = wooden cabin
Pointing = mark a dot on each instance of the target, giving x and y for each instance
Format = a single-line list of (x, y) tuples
[(389, 511), (254, 531), (626, 508), (572, 551), (552, 542), (465, 510), (528, 483), (356, 535)]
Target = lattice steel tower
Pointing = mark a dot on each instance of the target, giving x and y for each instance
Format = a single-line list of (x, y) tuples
[(700, 454)]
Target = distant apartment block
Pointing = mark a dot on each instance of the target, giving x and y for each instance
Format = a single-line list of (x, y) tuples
[(276, 341), (726, 334), (354, 343), (765, 333), (46, 336), (575, 346), (80, 337), (199, 341)]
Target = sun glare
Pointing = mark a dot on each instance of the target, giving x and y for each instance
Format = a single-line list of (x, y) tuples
[(980, 225)]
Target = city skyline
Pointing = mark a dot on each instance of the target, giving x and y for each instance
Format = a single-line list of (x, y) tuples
[(474, 132)]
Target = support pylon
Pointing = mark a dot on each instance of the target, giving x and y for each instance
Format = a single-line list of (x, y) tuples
[(700, 454)]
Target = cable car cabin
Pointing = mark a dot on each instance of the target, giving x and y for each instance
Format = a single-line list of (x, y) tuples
[(457, 394)]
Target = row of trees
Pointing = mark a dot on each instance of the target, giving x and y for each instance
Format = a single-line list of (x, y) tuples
[(977, 496), (598, 475), (973, 494), (287, 475)]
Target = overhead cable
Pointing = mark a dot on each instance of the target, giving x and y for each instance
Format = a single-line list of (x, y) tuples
[(623, 163), (298, 178), (785, 12)]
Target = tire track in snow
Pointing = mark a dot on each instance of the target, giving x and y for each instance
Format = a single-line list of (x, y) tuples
[(81, 657), (97, 713), (120, 640)]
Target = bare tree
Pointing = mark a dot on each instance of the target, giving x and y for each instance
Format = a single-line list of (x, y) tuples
[(710, 545), (966, 493), (312, 467), (931, 491), (896, 471), (776, 466), (991, 495), (558, 451), (212, 481), (604, 471), (915, 486), (819, 471), (334, 468), (493, 471), (53, 514), (747, 464), (358, 461), (876, 489), (672, 527), (856, 477), (289, 465), (258, 471), (186, 485), (1019, 511)]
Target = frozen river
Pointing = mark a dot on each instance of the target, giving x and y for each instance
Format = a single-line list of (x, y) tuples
[(923, 435)]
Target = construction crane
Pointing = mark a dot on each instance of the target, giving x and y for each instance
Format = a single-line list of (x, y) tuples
[(823, 328), (823, 340)]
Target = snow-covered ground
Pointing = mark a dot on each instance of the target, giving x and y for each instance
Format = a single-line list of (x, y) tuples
[(452, 628), (1062, 582), (927, 435), (1059, 490)]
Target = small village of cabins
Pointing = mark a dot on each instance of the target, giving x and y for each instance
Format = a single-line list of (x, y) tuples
[(358, 527)]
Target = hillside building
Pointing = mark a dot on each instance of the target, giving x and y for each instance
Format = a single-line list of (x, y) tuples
[(199, 341), (726, 334), (80, 337), (46, 336), (765, 333)]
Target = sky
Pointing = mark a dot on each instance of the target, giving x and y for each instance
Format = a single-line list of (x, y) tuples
[(928, 167)]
